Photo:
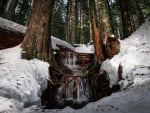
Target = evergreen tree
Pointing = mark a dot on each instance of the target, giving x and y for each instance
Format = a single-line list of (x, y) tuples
[(84, 24), (7, 8), (58, 21), (104, 21), (96, 32), (23, 11), (3, 4), (126, 20), (37, 41), (71, 28)]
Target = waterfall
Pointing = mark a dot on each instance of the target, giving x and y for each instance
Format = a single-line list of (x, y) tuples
[(75, 88), (70, 60)]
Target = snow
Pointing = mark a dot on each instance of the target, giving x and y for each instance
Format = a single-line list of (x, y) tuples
[(82, 48), (10, 105), (56, 41), (134, 53), (9, 25), (23, 81)]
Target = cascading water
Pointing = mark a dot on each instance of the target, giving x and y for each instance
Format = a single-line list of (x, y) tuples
[(74, 88), (77, 88)]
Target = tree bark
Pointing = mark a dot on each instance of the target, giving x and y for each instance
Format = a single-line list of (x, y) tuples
[(96, 33), (110, 17), (3, 4), (71, 31), (73, 21), (37, 41), (10, 9), (126, 21), (139, 13), (81, 22), (105, 28), (67, 35)]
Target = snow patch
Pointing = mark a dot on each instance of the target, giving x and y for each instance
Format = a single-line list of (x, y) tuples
[(23, 80)]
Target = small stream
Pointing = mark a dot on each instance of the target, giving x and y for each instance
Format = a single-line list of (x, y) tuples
[(78, 88), (74, 88)]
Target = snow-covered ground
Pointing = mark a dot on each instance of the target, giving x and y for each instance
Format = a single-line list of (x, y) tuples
[(20, 80), (23, 81)]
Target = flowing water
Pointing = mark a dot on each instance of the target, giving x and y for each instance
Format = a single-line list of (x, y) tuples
[(74, 88)]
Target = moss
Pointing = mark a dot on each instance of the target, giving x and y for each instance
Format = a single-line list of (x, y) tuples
[(29, 53)]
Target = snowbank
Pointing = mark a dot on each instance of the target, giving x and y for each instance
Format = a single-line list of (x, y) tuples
[(20, 79), (10, 105), (135, 52), (23, 81)]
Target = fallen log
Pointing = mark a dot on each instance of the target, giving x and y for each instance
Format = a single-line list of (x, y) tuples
[(12, 27), (11, 33)]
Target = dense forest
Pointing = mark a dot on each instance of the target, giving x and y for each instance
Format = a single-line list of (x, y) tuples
[(102, 23), (121, 17)]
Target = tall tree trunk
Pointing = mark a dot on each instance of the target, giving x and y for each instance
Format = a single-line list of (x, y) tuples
[(81, 22), (67, 22), (3, 4), (105, 28), (10, 9), (110, 16), (23, 12), (139, 13), (126, 22), (90, 24), (71, 31), (37, 41), (73, 19), (96, 33)]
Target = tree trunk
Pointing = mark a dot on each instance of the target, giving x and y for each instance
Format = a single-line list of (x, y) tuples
[(67, 34), (71, 31), (10, 9), (110, 17), (3, 4), (23, 12), (90, 24), (105, 28), (66, 25), (81, 22), (37, 41), (73, 21), (126, 22), (139, 13), (96, 33)]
